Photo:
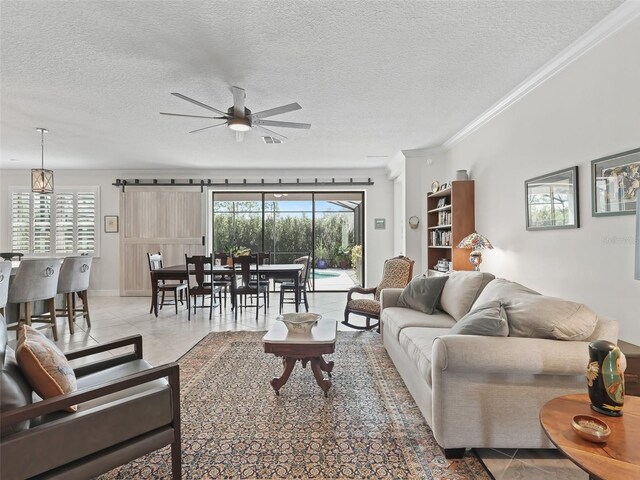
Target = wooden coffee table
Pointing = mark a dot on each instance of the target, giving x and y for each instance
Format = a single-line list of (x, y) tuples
[(308, 348), (618, 458)]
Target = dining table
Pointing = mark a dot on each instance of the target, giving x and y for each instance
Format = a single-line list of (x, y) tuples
[(179, 272)]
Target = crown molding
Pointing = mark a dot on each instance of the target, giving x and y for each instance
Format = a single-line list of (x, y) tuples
[(612, 23)]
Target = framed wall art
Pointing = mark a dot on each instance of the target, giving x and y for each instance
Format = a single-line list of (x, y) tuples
[(552, 200), (111, 224), (615, 181)]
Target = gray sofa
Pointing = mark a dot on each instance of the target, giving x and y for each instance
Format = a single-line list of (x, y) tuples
[(481, 391)]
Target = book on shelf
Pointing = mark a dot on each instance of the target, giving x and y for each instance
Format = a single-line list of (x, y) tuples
[(441, 238), (444, 218)]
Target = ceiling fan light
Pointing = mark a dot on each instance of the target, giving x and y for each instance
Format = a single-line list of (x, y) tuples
[(240, 124)]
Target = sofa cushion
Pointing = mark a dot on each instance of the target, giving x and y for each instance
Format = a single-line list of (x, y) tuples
[(461, 290), (422, 293), (417, 343), (14, 391), (397, 318), (44, 365), (489, 320), (533, 315)]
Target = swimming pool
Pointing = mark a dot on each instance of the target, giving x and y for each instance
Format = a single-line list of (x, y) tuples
[(317, 274)]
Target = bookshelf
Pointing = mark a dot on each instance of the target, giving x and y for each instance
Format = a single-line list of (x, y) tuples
[(450, 218)]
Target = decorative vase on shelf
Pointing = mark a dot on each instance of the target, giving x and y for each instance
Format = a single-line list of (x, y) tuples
[(462, 175), (605, 378)]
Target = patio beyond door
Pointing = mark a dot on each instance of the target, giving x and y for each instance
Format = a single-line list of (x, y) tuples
[(288, 225)]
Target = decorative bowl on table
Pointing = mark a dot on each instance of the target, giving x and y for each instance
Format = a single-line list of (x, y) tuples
[(591, 428), (299, 322)]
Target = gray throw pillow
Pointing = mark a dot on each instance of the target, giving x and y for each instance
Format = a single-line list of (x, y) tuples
[(422, 293), (489, 319)]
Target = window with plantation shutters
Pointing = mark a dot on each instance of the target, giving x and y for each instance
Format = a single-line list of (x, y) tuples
[(62, 223)]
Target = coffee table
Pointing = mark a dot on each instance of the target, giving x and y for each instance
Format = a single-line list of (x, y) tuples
[(308, 348), (618, 458)]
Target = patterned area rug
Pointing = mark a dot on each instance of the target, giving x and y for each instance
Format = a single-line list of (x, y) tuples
[(234, 426)]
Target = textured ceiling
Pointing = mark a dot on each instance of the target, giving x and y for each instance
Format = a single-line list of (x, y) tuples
[(372, 77)]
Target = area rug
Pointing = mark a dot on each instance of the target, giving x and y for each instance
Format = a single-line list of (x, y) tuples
[(234, 426)]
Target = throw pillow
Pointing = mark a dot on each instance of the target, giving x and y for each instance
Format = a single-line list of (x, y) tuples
[(422, 293), (461, 291), (44, 365), (489, 320)]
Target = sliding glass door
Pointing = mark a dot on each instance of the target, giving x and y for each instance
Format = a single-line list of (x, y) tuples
[(328, 226)]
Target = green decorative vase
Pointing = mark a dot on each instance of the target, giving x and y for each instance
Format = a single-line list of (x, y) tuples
[(605, 378)]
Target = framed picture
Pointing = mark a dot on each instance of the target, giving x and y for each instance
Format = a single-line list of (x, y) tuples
[(552, 200), (442, 202), (615, 181), (443, 186), (111, 224)]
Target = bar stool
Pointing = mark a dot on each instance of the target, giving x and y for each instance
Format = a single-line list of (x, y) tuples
[(5, 274), (74, 279), (36, 279)]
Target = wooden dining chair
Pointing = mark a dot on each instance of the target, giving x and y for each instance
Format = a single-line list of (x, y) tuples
[(289, 286), (199, 283), (178, 289), (242, 283), (222, 281)]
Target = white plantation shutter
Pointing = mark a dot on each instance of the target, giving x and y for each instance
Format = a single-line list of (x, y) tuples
[(41, 223), (86, 222), (20, 221), (61, 223), (65, 228)]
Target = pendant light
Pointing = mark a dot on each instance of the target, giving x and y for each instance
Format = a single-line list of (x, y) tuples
[(41, 179)]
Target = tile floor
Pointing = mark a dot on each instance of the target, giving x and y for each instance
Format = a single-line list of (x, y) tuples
[(170, 336)]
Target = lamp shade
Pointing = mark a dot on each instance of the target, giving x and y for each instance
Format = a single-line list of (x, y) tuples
[(41, 180), (475, 241)]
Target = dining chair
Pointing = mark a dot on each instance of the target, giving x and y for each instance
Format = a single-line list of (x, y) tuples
[(222, 281), (290, 286), (36, 279), (198, 283), (155, 263), (5, 274), (242, 283), (74, 280), (264, 258)]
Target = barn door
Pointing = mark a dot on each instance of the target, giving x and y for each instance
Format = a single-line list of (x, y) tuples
[(170, 221)]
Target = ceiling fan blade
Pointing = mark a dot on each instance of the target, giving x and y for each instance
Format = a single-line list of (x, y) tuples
[(239, 136), (275, 123), (276, 111), (205, 128), (238, 101), (270, 132), (192, 116), (200, 104)]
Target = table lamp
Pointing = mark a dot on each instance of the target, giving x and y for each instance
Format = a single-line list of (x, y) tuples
[(476, 243)]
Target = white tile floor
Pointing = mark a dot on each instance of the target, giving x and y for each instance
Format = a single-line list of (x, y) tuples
[(169, 336)]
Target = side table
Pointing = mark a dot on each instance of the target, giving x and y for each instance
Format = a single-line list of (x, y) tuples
[(632, 373), (617, 459)]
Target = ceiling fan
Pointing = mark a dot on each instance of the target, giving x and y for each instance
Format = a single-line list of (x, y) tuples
[(240, 119)]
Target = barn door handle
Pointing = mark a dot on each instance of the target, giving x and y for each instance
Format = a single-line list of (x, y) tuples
[(203, 240)]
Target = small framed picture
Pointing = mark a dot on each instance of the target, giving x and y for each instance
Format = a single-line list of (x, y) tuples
[(443, 186), (110, 224), (615, 182), (442, 203), (380, 223)]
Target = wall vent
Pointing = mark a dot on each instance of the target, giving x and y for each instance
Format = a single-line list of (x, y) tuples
[(271, 140)]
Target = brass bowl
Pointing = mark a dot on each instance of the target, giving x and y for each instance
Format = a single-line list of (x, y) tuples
[(591, 428)]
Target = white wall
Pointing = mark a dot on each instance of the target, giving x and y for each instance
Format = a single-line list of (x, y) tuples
[(105, 271), (589, 110)]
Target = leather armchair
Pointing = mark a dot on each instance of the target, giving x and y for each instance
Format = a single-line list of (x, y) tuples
[(126, 408)]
